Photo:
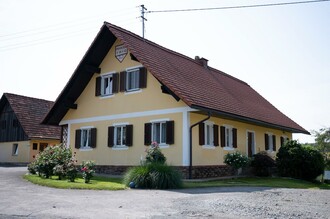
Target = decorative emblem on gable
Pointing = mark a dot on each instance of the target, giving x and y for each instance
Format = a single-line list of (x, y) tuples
[(121, 52)]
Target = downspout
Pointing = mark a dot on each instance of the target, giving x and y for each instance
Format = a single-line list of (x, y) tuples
[(190, 142)]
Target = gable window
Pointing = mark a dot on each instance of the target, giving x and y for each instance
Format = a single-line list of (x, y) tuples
[(133, 79), (106, 84), (15, 150), (228, 137), (15, 123), (120, 135), (160, 131), (270, 142), (3, 124), (85, 138), (208, 134)]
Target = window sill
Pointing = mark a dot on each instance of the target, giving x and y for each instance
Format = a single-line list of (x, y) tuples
[(228, 148), (86, 149), (162, 146), (133, 91), (107, 96), (119, 148), (208, 147)]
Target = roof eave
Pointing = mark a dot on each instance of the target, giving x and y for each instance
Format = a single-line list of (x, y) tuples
[(248, 120)]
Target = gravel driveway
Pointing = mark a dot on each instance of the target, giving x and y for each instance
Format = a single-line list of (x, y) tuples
[(21, 199)]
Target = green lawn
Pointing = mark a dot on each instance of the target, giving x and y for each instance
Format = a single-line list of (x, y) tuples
[(96, 183), (106, 183)]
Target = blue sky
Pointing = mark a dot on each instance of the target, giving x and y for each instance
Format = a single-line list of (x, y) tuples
[(282, 52)]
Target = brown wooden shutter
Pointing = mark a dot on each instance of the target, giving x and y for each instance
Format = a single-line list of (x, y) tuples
[(266, 142), (215, 135), (223, 136), (170, 132), (122, 81), (129, 135), (78, 138), (115, 83), (111, 133), (282, 141), (274, 142), (93, 138), (234, 130), (143, 77), (250, 144), (147, 134), (201, 128), (98, 86)]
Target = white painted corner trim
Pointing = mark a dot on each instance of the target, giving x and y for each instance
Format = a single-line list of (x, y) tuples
[(128, 115)]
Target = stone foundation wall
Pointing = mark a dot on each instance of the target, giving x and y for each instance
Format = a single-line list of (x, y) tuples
[(198, 172)]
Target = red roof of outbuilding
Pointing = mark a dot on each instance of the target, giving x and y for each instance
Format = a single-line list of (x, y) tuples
[(30, 112)]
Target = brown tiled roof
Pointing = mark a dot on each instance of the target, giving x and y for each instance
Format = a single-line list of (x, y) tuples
[(206, 89), (200, 87), (30, 112)]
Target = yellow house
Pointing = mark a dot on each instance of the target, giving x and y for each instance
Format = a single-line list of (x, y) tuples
[(128, 92), (21, 134)]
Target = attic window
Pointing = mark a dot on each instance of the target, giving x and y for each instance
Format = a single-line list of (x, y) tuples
[(107, 84), (133, 79)]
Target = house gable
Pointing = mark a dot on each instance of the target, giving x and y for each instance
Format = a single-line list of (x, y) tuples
[(10, 127), (145, 99)]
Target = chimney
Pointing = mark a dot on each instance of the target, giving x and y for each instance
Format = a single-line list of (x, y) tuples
[(202, 61)]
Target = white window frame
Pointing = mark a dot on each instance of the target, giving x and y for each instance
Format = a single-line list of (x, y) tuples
[(104, 77), (121, 126), (15, 149), (160, 122), (285, 138), (88, 132), (228, 136), (208, 134), (129, 72), (270, 141)]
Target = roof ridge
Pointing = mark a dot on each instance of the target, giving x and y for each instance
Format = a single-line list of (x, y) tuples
[(18, 95)]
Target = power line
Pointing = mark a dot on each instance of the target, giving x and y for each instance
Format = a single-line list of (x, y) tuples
[(238, 6)]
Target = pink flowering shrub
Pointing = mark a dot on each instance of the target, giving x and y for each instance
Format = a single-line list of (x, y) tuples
[(87, 169)]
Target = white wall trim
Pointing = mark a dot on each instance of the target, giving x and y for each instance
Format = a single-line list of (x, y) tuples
[(128, 115), (185, 138)]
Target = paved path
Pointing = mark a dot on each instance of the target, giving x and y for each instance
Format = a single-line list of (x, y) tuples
[(21, 199)]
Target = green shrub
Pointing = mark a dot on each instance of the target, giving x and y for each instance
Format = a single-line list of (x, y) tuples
[(262, 163), (54, 160), (153, 176), (236, 160), (294, 160), (87, 169), (154, 154)]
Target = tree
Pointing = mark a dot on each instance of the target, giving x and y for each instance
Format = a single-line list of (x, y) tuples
[(322, 140)]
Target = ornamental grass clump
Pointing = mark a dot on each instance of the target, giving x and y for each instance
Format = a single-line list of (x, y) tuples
[(236, 160), (153, 173)]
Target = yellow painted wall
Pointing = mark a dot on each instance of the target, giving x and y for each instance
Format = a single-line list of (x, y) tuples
[(203, 156), (150, 98), (33, 153), (6, 152), (105, 155)]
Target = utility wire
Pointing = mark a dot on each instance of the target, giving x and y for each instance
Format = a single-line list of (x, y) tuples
[(238, 6)]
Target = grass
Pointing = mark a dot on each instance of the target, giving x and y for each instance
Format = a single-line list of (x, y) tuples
[(96, 183), (106, 183)]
